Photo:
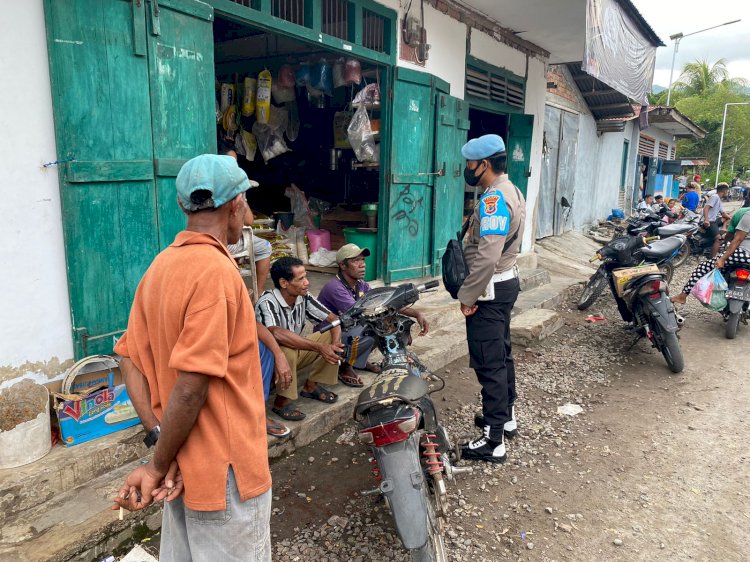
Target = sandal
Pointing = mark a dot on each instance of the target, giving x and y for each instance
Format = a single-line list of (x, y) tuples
[(321, 394), (288, 412), (276, 429), (373, 368), (350, 378)]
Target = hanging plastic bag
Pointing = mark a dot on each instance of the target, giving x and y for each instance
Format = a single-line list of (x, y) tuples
[(322, 77), (281, 94), (370, 94), (248, 99), (286, 77), (352, 72), (270, 140), (263, 97), (338, 73), (246, 145), (710, 290), (302, 76), (300, 208), (360, 136), (227, 96), (292, 127)]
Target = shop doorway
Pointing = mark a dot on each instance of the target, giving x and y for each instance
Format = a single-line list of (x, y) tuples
[(484, 123)]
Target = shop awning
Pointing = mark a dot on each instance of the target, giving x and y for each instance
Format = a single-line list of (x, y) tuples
[(603, 101), (670, 120), (686, 162)]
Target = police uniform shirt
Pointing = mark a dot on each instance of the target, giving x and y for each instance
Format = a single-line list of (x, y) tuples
[(499, 214)]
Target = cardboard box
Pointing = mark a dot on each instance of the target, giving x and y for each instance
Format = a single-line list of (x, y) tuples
[(97, 404), (622, 276)]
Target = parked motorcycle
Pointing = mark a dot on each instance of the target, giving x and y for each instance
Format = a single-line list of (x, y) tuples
[(658, 252), (412, 452), (738, 299), (643, 299)]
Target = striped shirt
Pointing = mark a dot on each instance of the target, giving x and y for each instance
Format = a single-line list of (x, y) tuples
[(273, 311)]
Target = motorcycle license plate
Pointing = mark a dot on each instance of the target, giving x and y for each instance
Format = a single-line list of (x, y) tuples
[(739, 293)]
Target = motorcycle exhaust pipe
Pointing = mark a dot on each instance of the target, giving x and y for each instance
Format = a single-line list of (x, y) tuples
[(680, 320)]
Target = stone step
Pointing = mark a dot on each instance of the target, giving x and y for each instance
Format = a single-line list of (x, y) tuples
[(547, 296), (533, 326), (65, 468), (78, 524)]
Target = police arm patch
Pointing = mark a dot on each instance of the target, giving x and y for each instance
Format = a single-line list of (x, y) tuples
[(494, 216)]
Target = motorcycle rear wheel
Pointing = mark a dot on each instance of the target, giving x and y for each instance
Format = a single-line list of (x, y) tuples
[(668, 270), (594, 287), (434, 548), (672, 352), (733, 322)]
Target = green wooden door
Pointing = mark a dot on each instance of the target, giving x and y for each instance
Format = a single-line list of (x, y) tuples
[(411, 176), (451, 129), (183, 115), (103, 77), (101, 102), (520, 130)]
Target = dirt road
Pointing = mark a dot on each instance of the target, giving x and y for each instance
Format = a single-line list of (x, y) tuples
[(655, 468)]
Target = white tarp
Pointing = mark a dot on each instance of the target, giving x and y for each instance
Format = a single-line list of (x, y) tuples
[(616, 52)]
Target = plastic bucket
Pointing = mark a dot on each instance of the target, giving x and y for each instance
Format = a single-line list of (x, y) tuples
[(318, 239), (365, 238), (30, 439)]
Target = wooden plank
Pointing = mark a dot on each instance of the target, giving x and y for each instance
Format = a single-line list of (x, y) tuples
[(108, 170), (169, 167), (139, 28)]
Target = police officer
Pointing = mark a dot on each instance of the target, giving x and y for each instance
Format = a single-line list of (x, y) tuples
[(487, 296)]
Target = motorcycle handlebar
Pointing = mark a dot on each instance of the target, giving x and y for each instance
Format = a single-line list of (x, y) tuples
[(330, 326), (429, 285)]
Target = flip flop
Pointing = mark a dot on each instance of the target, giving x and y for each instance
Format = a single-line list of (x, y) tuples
[(350, 378), (373, 368), (318, 394), (276, 429), (289, 412)]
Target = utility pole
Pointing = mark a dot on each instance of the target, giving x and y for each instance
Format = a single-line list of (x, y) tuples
[(721, 142)]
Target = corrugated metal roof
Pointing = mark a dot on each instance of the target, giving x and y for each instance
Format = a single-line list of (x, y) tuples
[(603, 101), (694, 162)]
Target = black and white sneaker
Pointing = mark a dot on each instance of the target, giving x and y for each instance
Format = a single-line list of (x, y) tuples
[(510, 428), (485, 449)]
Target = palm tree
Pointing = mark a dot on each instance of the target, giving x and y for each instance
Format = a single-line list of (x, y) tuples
[(699, 78)]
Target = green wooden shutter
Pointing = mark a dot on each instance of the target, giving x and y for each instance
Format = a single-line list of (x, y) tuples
[(100, 94), (183, 114), (520, 130), (451, 129), (411, 176), (120, 70)]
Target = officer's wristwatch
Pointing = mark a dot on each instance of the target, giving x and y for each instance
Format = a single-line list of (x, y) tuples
[(152, 437)]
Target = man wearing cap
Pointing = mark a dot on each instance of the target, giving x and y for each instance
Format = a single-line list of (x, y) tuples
[(339, 294), (192, 334), (487, 296)]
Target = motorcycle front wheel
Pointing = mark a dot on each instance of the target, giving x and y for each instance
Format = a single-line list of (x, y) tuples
[(682, 256), (594, 287)]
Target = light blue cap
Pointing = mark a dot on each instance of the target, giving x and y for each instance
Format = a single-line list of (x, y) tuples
[(218, 174), (483, 147)]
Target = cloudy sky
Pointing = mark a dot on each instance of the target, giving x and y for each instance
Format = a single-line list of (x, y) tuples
[(731, 42)]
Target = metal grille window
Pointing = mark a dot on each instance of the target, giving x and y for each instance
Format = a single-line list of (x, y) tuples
[(663, 150), (373, 31), (494, 87), (335, 18), (673, 153), (290, 10), (646, 145)]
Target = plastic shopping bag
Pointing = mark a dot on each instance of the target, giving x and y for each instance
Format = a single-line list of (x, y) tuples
[(360, 136), (710, 290)]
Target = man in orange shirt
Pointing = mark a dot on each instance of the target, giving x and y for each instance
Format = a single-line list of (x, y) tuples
[(192, 335)]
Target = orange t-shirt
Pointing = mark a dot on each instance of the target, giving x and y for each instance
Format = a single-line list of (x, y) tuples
[(192, 313)]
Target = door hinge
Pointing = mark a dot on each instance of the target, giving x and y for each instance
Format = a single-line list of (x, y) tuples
[(439, 173), (155, 24)]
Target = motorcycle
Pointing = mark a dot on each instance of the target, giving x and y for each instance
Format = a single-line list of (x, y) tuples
[(412, 451), (738, 299), (658, 252), (643, 299)]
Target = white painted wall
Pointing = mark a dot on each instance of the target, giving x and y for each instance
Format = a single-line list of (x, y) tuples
[(498, 54), (35, 316)]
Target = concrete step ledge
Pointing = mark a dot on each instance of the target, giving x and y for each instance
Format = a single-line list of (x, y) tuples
[(78, 524), (533, 326)]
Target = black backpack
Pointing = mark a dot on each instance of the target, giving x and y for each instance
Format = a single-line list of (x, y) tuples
[(455, 270)]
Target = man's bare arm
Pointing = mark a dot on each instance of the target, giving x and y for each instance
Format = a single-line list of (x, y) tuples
[(139, 393)]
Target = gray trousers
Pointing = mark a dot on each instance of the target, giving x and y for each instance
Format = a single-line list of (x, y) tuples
[(240, 533), (358, 347)]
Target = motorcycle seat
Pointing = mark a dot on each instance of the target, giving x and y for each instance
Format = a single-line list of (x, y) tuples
[(661, 249), (408, 387), (676, 228)]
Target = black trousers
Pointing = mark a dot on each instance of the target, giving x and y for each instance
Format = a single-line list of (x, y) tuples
[(488, 335)]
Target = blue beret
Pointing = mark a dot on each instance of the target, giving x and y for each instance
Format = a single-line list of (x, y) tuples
[(483, 147)]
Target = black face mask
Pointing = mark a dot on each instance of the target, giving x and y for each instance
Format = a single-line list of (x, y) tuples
[(470, 178)]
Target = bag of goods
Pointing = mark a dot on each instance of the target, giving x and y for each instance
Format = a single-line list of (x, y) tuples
[(293, 124), (300, 207), (302, 76), (321, 77), (361, 137), (270, 136), (338, 73), (282, 95), (286, 78), (352, 72), (711, 290), (227, 96), (263, 98), (248, 99), (370, 94)]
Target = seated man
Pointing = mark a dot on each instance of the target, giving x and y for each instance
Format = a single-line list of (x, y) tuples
[(340, 293), (646, 203), (284, 312)]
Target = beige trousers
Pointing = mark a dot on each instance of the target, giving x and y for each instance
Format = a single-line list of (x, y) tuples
[(322, 370)]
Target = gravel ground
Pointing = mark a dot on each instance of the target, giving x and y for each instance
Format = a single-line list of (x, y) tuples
[(495, 513)]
